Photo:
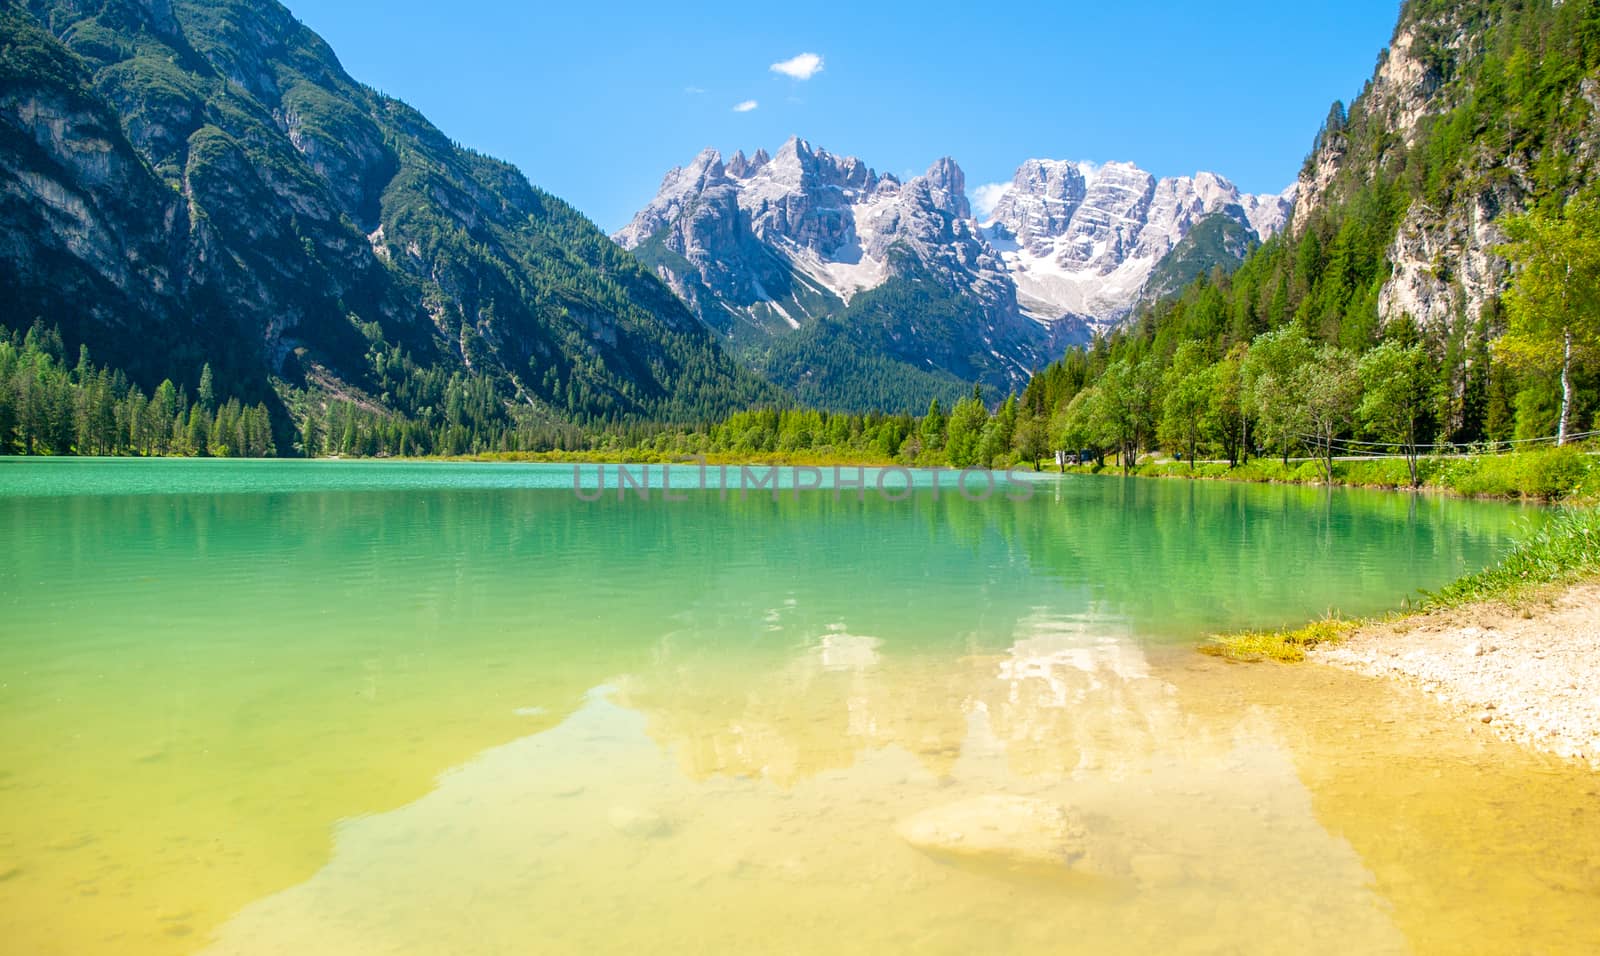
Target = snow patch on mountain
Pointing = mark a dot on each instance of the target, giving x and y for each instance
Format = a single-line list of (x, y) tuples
[(831, 218)]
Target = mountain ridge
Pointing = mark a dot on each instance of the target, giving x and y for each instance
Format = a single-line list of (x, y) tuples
[(760, 246), (196, 182)]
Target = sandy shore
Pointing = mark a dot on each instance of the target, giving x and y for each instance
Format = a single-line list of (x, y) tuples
[(1530, 673)]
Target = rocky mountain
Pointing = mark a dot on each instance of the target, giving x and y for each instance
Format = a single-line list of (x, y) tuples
[(193, 181), (763, 246), (1082, 240), (1476, 111)]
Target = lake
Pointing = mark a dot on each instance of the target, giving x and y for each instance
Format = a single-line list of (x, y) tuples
[(370, 707)]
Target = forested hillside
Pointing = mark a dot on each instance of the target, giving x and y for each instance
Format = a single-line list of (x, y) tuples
[(199, 182), (894, 348), (1416, 298)]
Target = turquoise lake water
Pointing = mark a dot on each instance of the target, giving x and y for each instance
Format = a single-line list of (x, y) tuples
[(414, 707)]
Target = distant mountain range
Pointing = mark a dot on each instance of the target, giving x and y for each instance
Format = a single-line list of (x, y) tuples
[(198, 182), (762, 247)]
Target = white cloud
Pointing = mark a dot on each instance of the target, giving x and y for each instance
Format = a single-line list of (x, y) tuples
[(802, 67), (746, 106), (694, 90), (986, 197)]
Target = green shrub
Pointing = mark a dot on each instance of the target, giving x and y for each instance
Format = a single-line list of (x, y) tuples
[(1588, 490), (1557, 472), (1546, 473), (1259, 469)]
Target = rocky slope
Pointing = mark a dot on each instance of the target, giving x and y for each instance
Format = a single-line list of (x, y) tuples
[(200, 181), (1473, 121), (1218, 242)]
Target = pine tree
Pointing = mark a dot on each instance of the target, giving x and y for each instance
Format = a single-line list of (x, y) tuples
[(208, 390), (933, 428)]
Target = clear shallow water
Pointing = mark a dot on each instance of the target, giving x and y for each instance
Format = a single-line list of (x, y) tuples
[(414, 708)]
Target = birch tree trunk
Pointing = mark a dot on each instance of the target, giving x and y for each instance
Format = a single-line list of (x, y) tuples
[(1566, 387)]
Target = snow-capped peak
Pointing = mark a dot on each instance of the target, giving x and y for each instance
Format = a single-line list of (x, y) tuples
[(1082, 239), (833, 217)]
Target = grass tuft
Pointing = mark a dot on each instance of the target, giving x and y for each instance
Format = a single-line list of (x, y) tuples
[(1286, 646)]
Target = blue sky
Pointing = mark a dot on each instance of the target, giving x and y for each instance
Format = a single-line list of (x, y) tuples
[(596, 101)]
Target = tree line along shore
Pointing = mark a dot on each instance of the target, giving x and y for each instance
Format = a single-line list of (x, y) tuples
[(53, 408)]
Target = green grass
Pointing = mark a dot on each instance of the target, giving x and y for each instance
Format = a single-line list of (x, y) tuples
[(1560, 551)]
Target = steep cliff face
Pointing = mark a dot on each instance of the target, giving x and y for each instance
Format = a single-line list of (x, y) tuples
[(750, 243), (1402, 92), (90, 236), (1406, 93), (1475, 110), (1444, 266), (201, 181)]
